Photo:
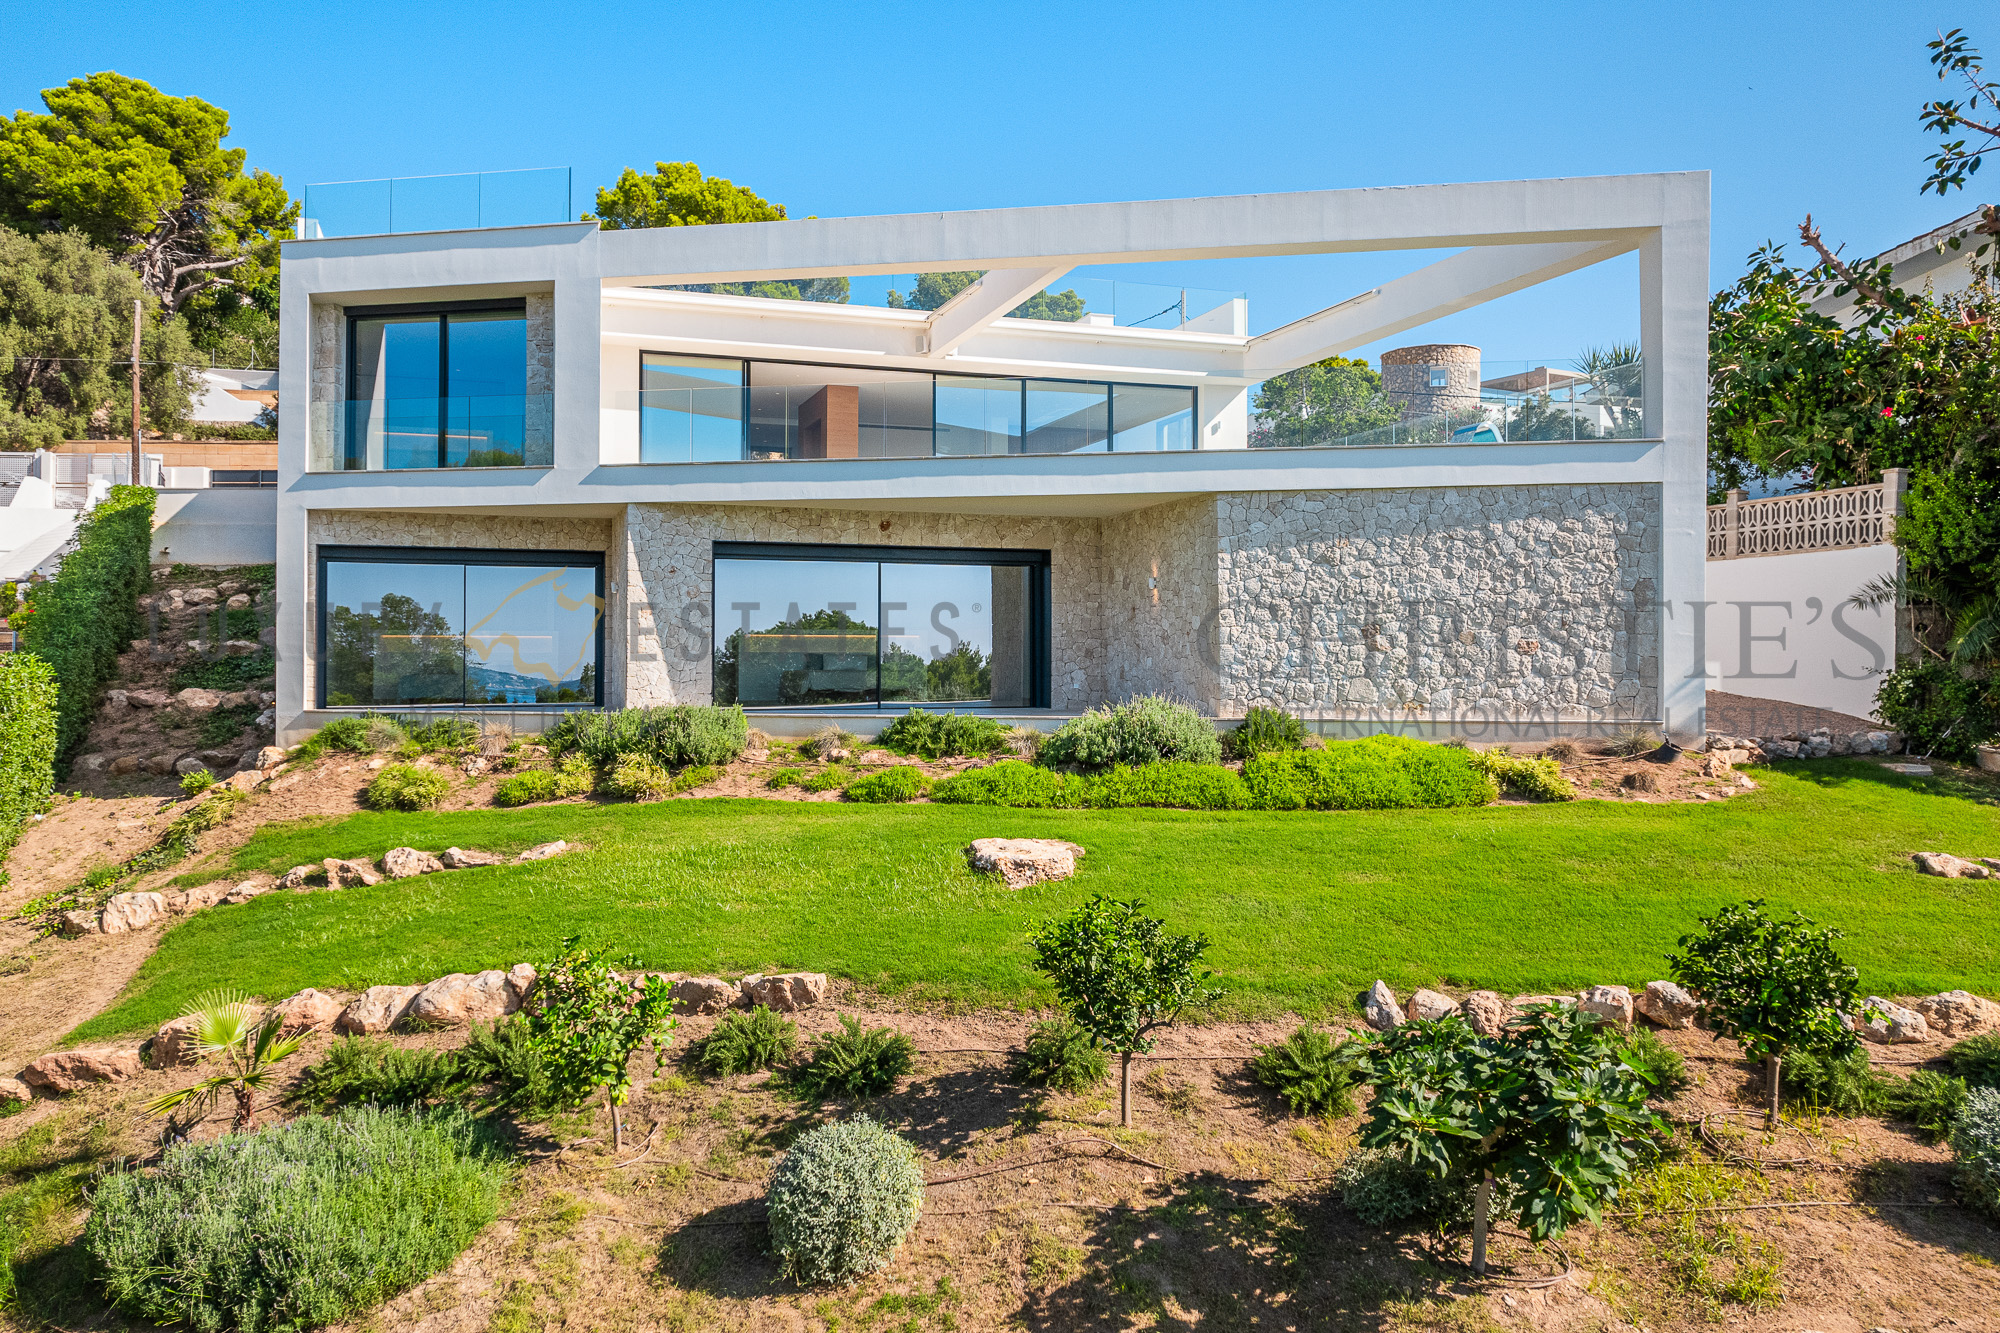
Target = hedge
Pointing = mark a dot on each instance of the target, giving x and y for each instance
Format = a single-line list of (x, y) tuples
[(1375, 773), (27, 742), (83, 618)]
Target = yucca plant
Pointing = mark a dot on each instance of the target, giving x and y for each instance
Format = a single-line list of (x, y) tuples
[(229, 1025)]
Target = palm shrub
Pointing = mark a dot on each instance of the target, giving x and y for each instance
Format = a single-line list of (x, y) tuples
[(1547, 1109), (842, 1201), (943, 735), (745, 1042), (1975, 1150), (1122, 976), (1775, 986), (1312, 1072), (855, 1062), (27, 743), (904, 782), (248, 1040), (407, 787), (1265, 729), (1061, 1054), (82, 619), (299, 1226), (1145, 730)]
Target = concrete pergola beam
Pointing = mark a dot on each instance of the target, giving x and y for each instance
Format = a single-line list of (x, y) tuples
[(986, 300)]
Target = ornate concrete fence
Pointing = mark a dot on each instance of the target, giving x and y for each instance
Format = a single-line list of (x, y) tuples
[(1815, 521)]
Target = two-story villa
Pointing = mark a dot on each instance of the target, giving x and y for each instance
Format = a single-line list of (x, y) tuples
[(548, 467)]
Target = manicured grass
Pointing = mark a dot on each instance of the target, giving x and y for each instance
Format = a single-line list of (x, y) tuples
[(1305, 909)]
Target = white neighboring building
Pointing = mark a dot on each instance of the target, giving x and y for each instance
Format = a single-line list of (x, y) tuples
[(529, 475), (233, 397), (1924, 263)]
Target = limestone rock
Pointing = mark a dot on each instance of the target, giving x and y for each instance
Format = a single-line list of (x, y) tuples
[(193, 900), (189, 764), (307, 1010), (198, 596), (784, 992), (132, 911), (14, 1090), (64, 1072), (243, 781), (462, 858), (1429, 1004), (174, 1044), (1381, 1009), (198, 699), (148, 698), (1896, 1026), (703, 995), (344, 874), (160, 765), (245, 891), (543, 851), (117, 701), (74, 924), (1488, 1012), (124, 764), (270, 756), (463, 999), (408, 863), (376, 1010), (92, 763), (296, 877), (1949, 866), (238, 600), (1956, 1012), (1612, 1002), (1668, 1005), (1023, 861)]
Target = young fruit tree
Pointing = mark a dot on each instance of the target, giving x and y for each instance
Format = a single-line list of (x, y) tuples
[(1775, 986), (587, 1022), (1122, 976), (1552, 1108), (247, 1039)]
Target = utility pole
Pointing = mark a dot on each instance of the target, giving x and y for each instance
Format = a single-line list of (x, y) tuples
[(137, 478)]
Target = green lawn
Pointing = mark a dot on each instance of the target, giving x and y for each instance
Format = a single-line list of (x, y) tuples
[(1305, 909)]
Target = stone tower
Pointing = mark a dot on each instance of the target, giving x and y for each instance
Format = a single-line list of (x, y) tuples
[(1433, 378)]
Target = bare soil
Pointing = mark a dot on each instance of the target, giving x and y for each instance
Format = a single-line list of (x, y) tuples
[(1741, 715)]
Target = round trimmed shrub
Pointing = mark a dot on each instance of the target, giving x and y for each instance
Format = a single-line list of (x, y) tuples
[(905, 782), (1975, 1150), (407, 787), (537, 784), (298, 1226), (1145, 730), (842, 1201)]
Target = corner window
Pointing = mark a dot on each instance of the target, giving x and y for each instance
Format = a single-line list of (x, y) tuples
[(413, 627), (441, 387), (867, 626)]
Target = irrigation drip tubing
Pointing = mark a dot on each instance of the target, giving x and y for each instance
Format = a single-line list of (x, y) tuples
[(1801, 1203), (1041, 1161), (1509, 1279)]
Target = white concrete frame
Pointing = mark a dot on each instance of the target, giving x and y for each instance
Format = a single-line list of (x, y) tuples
[(1514, 234)]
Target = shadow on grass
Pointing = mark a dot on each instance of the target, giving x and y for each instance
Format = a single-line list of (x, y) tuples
[(1952, 780)]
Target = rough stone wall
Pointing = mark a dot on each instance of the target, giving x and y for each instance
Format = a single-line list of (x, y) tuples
[(450, 532), (670, 578), (1525, 602), (540, 424), (1159, 575), (327, 390)]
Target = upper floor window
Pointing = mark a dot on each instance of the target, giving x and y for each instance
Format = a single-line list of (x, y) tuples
[(705, 409), (438, 387)]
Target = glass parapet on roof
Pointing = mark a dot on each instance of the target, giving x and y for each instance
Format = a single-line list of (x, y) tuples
[(1142, 305), (436, 203)]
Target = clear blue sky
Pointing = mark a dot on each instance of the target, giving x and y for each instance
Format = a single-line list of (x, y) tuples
[(842, 109)]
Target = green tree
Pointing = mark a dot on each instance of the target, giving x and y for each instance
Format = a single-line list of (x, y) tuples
[(143, 175), (1552, 1106), (932, 290), (1319, 403), (1774, 986), (587, 1022), (676, 194), (962, 673), (66, 344), (1123, 976)]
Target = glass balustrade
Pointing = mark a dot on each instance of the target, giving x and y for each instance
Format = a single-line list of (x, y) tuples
[(1537, 405), (466, 431)]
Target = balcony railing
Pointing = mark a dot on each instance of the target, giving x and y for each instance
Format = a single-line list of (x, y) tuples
[(1613, 411), (436, 203), (387, 435)]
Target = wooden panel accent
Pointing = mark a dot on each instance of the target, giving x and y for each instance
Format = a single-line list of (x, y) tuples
[(830, 423)]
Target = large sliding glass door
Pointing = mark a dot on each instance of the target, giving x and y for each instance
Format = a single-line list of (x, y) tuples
[(813, 627)]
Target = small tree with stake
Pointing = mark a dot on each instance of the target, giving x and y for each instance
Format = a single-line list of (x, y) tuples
[(1775, 986), (587, 1022), (1552, 1106), (1122, 976)]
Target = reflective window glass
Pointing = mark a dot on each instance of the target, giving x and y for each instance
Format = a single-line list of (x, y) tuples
[(1067, 418), (690, 409), (955, 634), (486, 389), (1151, 417), (795, 633), (394, 634), (394, 393), (531, 634), (978, 416)]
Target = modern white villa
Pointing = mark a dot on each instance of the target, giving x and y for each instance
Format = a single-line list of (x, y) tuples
[(550, 467)]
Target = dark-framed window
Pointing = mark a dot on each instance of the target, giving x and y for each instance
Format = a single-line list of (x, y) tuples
[(402, 627), (801, 625), (697, 409), (441, 385)]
